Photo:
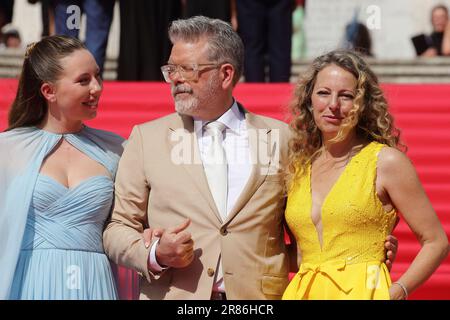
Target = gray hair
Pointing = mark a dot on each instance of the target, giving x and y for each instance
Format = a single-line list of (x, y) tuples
[(224, 43)]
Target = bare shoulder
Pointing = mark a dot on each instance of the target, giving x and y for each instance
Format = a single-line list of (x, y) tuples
[(393, 161)]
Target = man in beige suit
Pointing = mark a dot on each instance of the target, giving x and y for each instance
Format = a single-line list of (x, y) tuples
[(209, 176), (161, 182)]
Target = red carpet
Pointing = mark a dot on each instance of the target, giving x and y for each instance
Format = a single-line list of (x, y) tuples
[(421, 111)]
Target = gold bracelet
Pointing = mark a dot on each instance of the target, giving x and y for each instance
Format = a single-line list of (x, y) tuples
[(405, 291)]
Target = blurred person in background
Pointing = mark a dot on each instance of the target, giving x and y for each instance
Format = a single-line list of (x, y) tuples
[(298, 31), (144, 45), (358, 38), (220, 9), (99, 15), (11, 38), (6, 12), (439, 21), (446, 38), (265, 27)]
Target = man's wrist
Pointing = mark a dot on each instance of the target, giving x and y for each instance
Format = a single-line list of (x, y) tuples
[(153, 261)]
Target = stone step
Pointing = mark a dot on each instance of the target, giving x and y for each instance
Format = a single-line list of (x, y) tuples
[(430, 70), (11, 64)]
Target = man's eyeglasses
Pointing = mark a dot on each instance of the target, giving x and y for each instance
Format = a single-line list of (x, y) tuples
[(189, 72)]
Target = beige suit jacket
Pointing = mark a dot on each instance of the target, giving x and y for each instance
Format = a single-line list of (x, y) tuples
[(158, 185)]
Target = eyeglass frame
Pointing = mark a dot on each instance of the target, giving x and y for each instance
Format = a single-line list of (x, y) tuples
[(180, 69)]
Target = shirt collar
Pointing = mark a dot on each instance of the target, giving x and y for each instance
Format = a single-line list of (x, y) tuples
[(231, 119)]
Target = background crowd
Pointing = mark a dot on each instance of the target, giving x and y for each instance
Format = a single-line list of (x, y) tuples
[(272, 32), (265, 26)]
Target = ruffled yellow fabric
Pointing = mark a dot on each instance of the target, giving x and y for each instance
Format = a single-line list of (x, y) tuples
[(349, 265)]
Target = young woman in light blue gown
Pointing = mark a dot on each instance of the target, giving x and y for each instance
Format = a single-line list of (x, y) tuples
[(56, 179)]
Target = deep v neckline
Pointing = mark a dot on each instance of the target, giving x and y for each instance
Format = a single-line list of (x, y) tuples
[(333, 187)]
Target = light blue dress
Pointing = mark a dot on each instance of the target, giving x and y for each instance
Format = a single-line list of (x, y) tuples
[(61, 252)]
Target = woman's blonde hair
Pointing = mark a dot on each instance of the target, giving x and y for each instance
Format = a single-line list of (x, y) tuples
[(369, 114)]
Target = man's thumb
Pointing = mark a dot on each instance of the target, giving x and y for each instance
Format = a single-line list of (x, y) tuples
[(181, 227)]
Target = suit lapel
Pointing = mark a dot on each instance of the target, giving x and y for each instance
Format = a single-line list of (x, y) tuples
[(182, 135)]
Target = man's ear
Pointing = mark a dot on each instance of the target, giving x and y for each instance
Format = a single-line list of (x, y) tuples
[(48, 92), (227, 73)]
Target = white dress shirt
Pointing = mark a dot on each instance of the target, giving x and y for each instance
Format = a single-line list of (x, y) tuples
[(237, 149)]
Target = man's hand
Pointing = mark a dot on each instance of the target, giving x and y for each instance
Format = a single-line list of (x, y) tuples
[(391, 246), (149, 234), (176, 247)]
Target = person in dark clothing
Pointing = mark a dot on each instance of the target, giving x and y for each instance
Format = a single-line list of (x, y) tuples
[(6, 11), (218, 9), (99, 14), (439, 20), (144, 45), (358, 38), (265, 27)]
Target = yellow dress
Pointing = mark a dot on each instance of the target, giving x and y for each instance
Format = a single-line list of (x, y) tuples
[(349, 265)]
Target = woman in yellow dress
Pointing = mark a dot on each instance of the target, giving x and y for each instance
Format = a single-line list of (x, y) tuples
[(348, 182)]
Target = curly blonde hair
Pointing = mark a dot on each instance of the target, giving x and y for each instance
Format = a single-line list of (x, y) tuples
[(369, 113)]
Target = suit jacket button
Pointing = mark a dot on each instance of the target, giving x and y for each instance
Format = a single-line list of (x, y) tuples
[(210, 272), (223, 231)]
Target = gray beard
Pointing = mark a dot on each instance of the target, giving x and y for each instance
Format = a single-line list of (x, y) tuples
[(186, 107), (191, 106)]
